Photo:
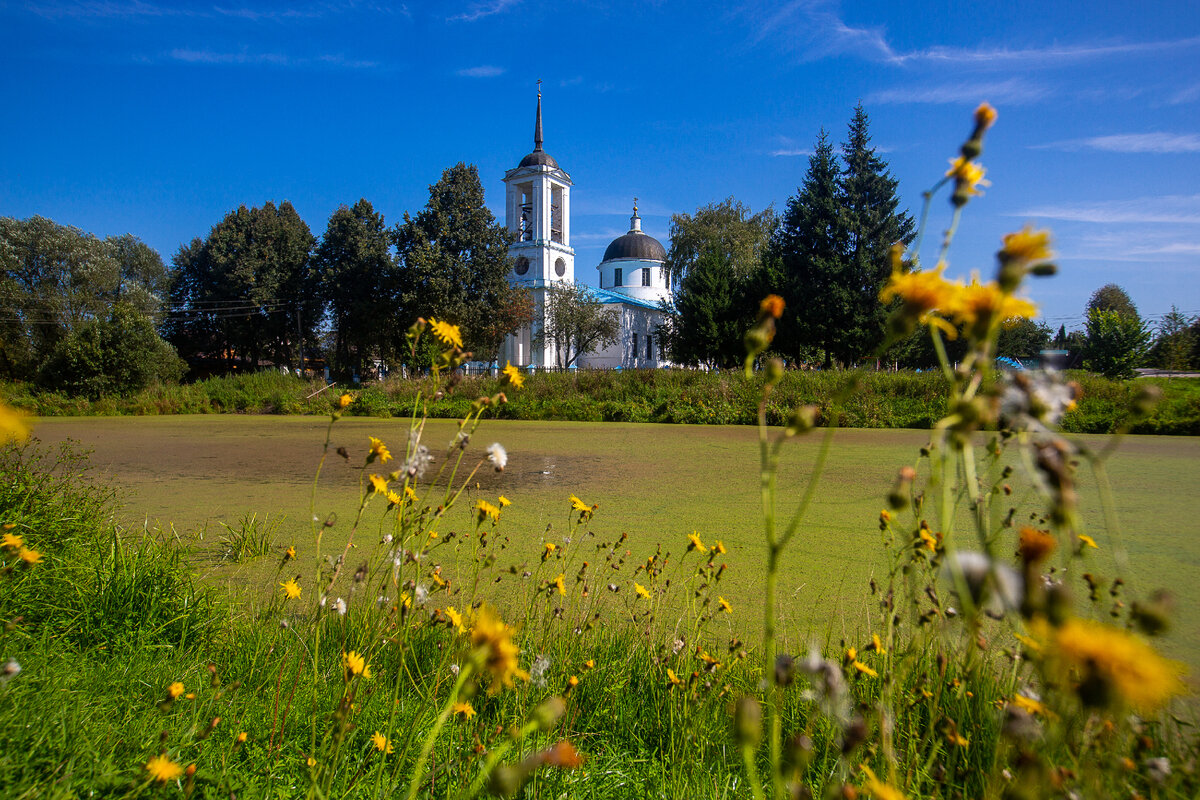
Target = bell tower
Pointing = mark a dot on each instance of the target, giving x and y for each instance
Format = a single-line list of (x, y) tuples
[(538, 214)]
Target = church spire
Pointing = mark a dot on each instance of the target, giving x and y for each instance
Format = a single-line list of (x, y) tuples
[(635, 222), (537, 128)]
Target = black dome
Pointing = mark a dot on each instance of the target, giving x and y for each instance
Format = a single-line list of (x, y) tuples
[(539, 158), (636, 244)]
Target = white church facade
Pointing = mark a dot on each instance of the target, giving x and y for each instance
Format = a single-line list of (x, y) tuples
[(632, 275)]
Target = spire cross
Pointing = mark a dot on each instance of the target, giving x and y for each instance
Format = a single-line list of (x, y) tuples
[(537, 128)]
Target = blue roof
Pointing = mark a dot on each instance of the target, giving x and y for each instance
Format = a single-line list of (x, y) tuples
[(607, 296)]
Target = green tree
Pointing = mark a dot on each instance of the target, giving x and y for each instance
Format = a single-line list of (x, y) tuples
[(874, 222), (117, 355), (1022, 338), (356, 276), (1116, 343), (454, 261), (1175, 342), (708, 315), (576, 323), (246, 293), (729, 228), (1111, 297), (808, 249)]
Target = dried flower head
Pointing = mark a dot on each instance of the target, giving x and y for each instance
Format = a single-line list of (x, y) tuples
[(497, 456)]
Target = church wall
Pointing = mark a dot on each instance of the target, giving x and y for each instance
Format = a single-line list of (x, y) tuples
[(634, 319)]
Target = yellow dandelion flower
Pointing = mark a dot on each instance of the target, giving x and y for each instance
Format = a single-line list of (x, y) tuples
[(393, 498), (354, 664), (851, 654), (242, 737), (449, 334), (379, 484), (560, 584), (190, 696), (513, 375), (163, 769), (922, 292), (572, 682), (291, 589), (979, 305), (410, 495), (1112, 665), (175, 690), (694, 543), (641, 590), (719, 547), (12, 541), (345, 400), (579, 505), (878, 789), (1027, 245), (503, 501), (928, 540), (864, 669), (968, 175), (1087, 541), (484, 510), (957, 739), (1030, 705), (672, 678), (985, 116), (877, 644), (464, 710), (381, 742), (885, 516), (724, 604), (378, 450), (29, 556), (456, 619), (13, 425), (589, 664), (290, 553), (312, 762), (493, 643)]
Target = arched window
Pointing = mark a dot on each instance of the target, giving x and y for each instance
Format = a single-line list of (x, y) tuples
[(617, 277)]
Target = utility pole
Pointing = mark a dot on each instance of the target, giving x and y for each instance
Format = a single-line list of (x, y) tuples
[(300, 339)]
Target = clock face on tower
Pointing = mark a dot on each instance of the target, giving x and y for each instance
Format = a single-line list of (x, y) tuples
[(522, 265), (560, 267)]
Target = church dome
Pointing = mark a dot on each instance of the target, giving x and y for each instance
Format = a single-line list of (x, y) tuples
[(636, 244), (539, 158)]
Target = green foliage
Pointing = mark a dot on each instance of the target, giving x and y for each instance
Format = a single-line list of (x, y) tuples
[(1111, 297), (117, 356), (575, 322), (729, 229), (1176, 342), (708, 314), (1116, 343), (454, 261), (1022, 338), (250, 538)]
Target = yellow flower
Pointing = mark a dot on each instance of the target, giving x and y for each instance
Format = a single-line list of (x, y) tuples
[(864, 669), (671, 677), (927, 538), (560, 585), (1113, 665), (513, 375), (641, 590), (484, 509), (1030, 705), (493, 642), (968, 175), (694, 543), (957, 739), (449, 334), (378, 450), (312, 762), (381, 742), (174, 690), (922, 292), (1027, 245), (503, 501), (241, 737), (1087, 541), (771, 306), (345, 400), (379, 484), (291, 589), (589, 664), (877, 644), (985, 116), (463, 710), (878, 789), (979, 305), (290, 553), (572, 682), (410, 494), (12, 542), (393, 498), (163, 769), (721, 601), (456, 620), (719, 547), (579, 505), (355, 665), (29, 556), (12, 425)]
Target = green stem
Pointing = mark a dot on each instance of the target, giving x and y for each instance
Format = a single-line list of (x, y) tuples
[(419, 768)]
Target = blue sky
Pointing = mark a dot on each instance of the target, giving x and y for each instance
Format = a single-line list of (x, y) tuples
[(158, 118)]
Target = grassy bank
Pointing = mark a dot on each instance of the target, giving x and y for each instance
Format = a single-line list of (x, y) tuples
[(857, 400)]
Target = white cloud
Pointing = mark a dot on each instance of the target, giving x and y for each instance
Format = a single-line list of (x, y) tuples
[(1131, 143), (794, 151), (245, 57), (1038, 56), (1168, 209), (483, 71), (1010, 92), (480, 10), (815, 28)]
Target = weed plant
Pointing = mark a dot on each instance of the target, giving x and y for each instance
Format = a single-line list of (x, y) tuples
[(387, 665)]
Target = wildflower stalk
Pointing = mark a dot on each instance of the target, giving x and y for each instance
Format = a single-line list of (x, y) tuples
[(418, 774), (493, 759)]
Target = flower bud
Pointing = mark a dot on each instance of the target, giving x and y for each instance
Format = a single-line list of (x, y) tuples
[(549, 712)]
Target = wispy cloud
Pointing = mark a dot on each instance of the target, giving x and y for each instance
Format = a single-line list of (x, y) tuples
[(106, 9), (1169, 209), (1130, 143), (245, 57), (792, 151), (483, 71), (1013, 91), (479, 10), (815, 29), (1040, 56), (1188, 94), (273, 15)]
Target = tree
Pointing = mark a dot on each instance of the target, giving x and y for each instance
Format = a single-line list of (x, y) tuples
[(709, 314), (576, 322), (117, 355), (1174, 342), (1111, 297), (833, 248), (356, 277), (454, 261), (1022, 338), (1116, 343), (246, 293), (728, 228), (873, 225)]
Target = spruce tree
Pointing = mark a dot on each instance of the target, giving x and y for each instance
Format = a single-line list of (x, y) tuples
[(873, 224)]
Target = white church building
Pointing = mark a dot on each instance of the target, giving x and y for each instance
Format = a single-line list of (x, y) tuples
[(632, 275)]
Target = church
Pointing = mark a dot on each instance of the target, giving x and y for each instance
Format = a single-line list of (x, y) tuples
[(632, 276)]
